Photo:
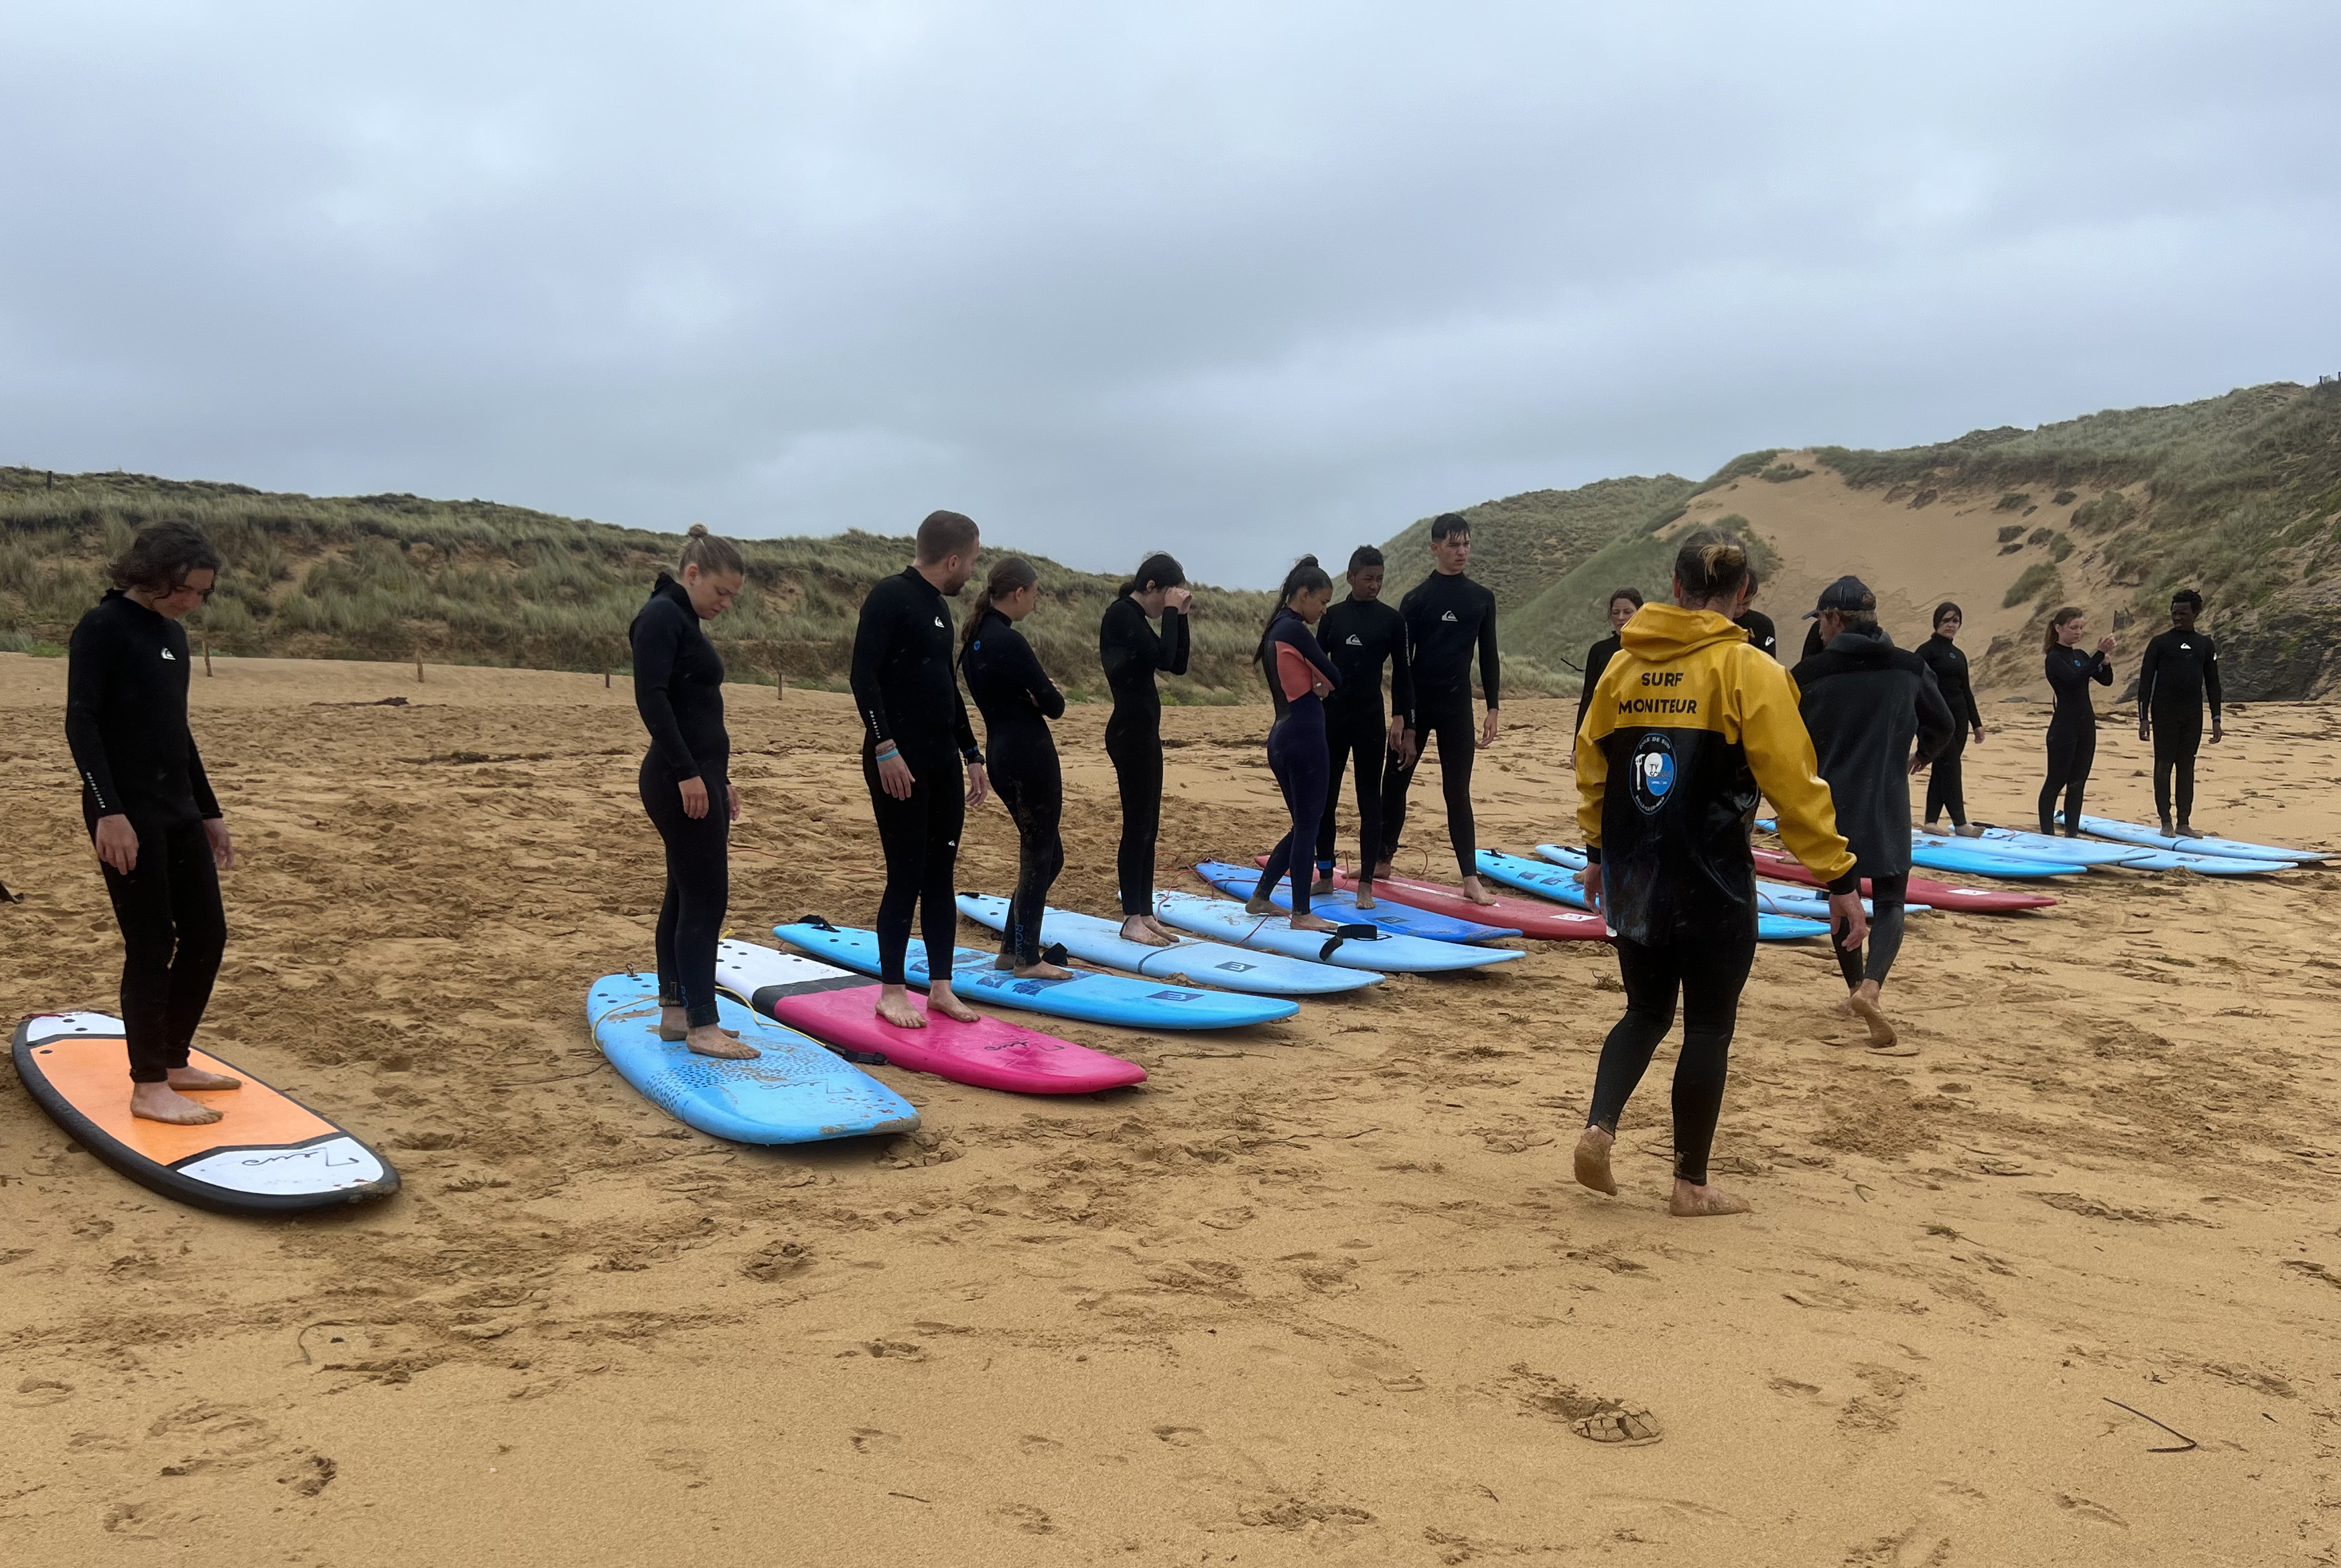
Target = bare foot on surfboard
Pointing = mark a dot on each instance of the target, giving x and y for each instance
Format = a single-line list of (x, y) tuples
[(162, 1103), (1170, 937), (1256, 905), (1365, 896), (941, 1000), (708, 1040), (1043, 972), (1691, 1201), (1139, 929), (1592, 1161), (1310, 923), (1476, 891), (894, 1007), (1383, 871), (197, 1078)]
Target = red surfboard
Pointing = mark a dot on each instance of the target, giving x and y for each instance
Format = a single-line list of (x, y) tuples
[(1922, 890), (1530, 916)]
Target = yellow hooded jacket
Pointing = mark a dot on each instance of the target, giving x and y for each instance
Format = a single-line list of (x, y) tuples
[(1688, 728)]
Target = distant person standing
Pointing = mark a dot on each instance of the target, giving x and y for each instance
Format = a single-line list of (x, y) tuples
[(1361, 635), (915, 735), (1300, 679), (149, 810), (1449, 618), (1687, 730), (1865, 703), (1131, 650), (685, 782), (1946, 777), (1623, 602), (2179, 670), (1762, 635), (2073, 727), (1018, 700)]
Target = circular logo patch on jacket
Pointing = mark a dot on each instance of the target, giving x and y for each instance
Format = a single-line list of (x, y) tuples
[(1653, 771)]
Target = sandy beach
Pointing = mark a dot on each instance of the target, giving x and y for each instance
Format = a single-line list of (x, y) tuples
[(1320, 1291)]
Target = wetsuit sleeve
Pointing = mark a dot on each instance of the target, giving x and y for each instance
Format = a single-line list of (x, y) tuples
[(1936, 723), (873, 640), (1401, 674), (1035, 680), (1172, 643), (207, 804), (89, 672), (656, 634), (1585, 688), (2101, 669), (960, 728), (1405, 652), (2149, 671), (1975, 714), (1124, 640), (1780, 751), (1491, 682), (2211, 676)]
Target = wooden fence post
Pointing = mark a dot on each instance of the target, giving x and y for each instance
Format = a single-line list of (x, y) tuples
[(418, 661), (207, 656)]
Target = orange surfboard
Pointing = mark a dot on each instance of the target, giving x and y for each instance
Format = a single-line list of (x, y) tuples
[(268, 1153)]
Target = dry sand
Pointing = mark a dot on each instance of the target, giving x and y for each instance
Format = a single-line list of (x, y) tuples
[(1317, 1291)]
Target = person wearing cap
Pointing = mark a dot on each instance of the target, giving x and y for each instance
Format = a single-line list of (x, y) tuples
[(1865, 702), (1689, 727)]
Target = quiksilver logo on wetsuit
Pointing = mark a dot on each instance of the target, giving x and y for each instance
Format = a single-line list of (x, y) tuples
[(938, 621), (1651, 774), (169, 655), (1446, 615), (1352, 640)]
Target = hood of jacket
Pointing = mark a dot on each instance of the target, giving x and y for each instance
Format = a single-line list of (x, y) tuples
[(1870, 644), (1662, 633)]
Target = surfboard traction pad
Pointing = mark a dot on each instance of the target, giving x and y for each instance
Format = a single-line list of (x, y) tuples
[(224, 1178)]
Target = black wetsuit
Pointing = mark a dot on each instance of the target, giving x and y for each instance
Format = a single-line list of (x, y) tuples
[(126, 725), (1017, 699), (679, 692), (908, 692), (1296, 747), (1360, 636), (2072, 733), (1597, 659), (1130, 652), (1762, 635), (1814, 643), (2178, 671), (1946, 777), (1449, 618), (1867, 704)]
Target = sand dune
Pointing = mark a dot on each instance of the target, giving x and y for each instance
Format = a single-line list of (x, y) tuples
[(1321, 1291)]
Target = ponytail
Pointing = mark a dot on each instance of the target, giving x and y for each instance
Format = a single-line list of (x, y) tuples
[(2064, 616), (1161, 570), (1306, 577), (711, 554), (1710, 565), (1011, 574)]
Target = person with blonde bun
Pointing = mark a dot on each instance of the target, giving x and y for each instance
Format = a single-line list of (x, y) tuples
[(685, 780), (1690, 726)]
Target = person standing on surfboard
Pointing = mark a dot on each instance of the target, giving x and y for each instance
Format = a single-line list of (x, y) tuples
[(1449, 618), (150, 811), (1689, 725), (685, 782), (1300, 679), (1018, 700), (2072, 728), (1623, 602), (1131, 651), (1361, 635), (1876, 716), (915, 735), (2179, 670), (1946, 777)]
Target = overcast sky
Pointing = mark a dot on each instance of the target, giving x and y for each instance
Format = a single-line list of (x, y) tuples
[(1237, 280)]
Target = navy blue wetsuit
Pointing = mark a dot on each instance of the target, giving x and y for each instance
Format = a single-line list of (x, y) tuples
[(1296, 752)]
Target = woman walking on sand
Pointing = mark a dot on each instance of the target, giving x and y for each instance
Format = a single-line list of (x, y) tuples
[(1018, 700), (1131, 651), (150, 811), (685, 782), (1300, 679), (1688, 726), (2072, 728)]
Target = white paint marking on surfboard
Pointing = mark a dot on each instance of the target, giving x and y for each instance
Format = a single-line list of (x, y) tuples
[(335, 1162)]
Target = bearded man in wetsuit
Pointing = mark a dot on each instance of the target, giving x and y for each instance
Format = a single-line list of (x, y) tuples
[(2180, 668), (1449, 618)]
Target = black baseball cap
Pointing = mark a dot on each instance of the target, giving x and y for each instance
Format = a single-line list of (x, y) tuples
[(1847, 596)]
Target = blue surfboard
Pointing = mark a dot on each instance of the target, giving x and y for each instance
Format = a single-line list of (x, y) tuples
[(2040, 847), (1397, 920), (1790, 898), (1937, 854), (2129, 857), (795, 1091), (1089, 996), (1214, 964), (1224, 919), (1561, 886), (2154, 838)]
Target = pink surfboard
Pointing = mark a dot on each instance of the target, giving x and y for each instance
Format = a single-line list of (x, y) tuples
[(840, 1010)]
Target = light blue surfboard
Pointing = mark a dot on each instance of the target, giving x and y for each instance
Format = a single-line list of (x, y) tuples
[(1225, 920), (1939, 854), (1098, 941), (1397, 920), (1089, 996), (2154, 838), (1788, 899), (794, 1091), (1561, 886), (2128, 857), (2040, 847)]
